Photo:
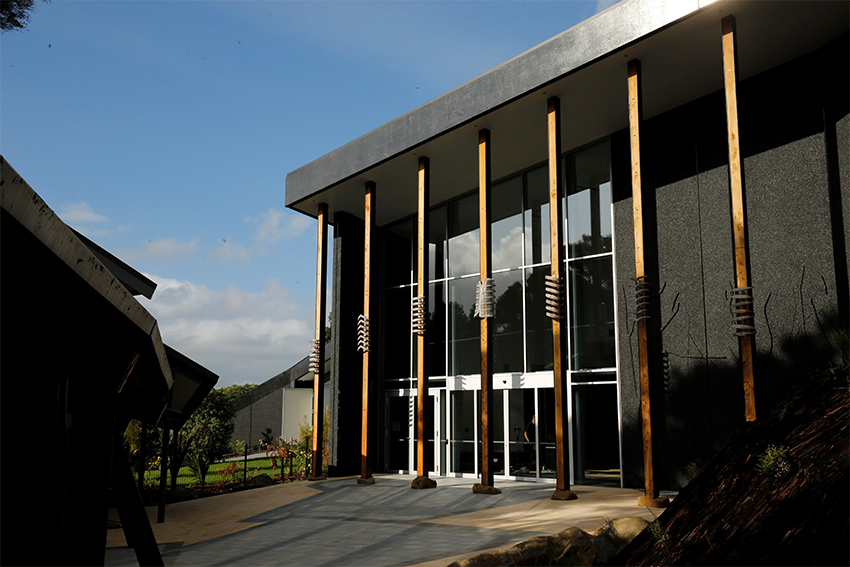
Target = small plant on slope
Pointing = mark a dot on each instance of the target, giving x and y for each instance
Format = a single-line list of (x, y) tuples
[(774, 461)]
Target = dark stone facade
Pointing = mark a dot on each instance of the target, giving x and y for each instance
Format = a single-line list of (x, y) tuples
[(793, 184), (344, 402)]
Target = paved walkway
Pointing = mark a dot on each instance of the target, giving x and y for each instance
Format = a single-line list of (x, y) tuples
[(338, 522)]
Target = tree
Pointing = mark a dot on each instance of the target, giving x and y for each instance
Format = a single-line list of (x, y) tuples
[(133, 438), (209, 428), (15, 14), (178, 450), (328, 332)]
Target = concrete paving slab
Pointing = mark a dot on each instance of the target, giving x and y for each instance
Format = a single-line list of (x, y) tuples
[(338, 522), (194, 521)]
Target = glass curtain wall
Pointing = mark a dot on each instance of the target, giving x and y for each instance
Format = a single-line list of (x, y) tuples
[(594, 419), (524, 424)]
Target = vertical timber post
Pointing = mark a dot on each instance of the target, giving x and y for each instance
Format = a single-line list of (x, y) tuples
[(562, 488), (420, 310), (364, 330), (319, 342), (142, 456), (485, 314), (650, 497), (163, 475), (739, 223)]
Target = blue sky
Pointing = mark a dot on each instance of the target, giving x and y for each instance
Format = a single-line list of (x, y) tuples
[(164, 130)]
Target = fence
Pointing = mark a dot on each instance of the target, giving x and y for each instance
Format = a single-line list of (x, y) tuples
[(287, 461)]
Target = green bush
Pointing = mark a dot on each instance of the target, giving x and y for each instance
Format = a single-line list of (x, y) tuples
[(774, 461)]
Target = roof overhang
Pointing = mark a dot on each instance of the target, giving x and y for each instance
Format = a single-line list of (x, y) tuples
[(192, 383), (678, 43), (135, 282), (81, 312)]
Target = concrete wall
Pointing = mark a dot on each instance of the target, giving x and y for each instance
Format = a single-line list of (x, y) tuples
[(266, 412), (297, 410), (696, 391)]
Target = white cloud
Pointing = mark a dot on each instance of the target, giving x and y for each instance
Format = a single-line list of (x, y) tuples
[(463, 251), (604, 4), (276, 225), (80, 213), (163, 249), (507, 251), (93, 233), (243, 337), (273, 226), (231, 253)]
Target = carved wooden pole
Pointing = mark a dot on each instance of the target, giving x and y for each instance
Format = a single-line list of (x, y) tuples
[(317, 355), (555, 302), (484, 308), (742, 296), (650, 497), (364, 330), (420, 311)]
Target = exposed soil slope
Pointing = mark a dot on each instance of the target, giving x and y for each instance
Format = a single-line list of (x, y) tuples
[(791, 514)]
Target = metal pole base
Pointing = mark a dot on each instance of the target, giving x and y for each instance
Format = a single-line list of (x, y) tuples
[(361, 480), (423, 482), (564, 495), (479, 488), (661, 502)]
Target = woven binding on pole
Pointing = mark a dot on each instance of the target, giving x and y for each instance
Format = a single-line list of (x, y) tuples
[(741, 306), (315, 363), (417, 306), (485, 292), (554, 297), (362, 333), (641, 298)]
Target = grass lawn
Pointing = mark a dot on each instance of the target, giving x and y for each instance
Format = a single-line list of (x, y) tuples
[(215, 476)]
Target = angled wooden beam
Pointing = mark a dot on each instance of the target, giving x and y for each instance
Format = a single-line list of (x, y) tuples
[(318, 351), (365, 330), (486, 322), (420, 315), (739, 221), (556, 235), (650, 497)]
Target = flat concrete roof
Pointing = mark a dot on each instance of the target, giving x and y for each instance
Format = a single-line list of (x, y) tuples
[(677, 41)]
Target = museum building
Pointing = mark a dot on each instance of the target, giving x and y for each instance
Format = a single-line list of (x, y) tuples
[(667, 181)]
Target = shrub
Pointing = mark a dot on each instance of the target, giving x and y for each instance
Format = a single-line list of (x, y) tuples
[(774, 461)]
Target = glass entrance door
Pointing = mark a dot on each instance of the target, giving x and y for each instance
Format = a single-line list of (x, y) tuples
[(401, 432), (399, 412), (595, 436), (429, 433)]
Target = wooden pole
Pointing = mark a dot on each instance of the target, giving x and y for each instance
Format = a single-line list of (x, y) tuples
[(486, 272), (736, 186), (422, 291), (143, 443), (163, 475), (365, 330), (650, 497), (562, 489), (319, 344)]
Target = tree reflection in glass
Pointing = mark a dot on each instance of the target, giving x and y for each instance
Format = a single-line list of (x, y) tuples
[(592, 313), (464, 328), (507, 331), (589, 201)]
